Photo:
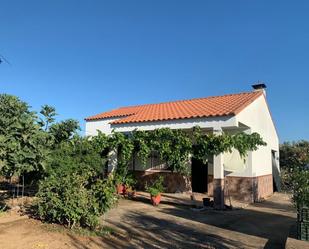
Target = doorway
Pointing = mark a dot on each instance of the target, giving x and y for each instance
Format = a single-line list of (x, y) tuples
[(275, 172), (199, 174)]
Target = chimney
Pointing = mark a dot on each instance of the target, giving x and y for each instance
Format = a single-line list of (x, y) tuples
[(259, 86)]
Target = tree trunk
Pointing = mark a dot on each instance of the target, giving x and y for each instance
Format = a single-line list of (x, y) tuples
[(22, 192)]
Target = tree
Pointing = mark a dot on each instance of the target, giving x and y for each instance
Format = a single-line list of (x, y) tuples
[(294, 161), (22, 142), (48, 113), (64, 130), (295, 154)]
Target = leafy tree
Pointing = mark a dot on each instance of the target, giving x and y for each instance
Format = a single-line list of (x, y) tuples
[(79, 155), (64, 130), (294, 161), (295, 154), (48, 113), (22, 142)]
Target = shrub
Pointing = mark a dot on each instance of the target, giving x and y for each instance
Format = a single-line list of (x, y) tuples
[(105, 194), (66, 200), (294, 154), (294, 161), (73, 193), (299, 180)]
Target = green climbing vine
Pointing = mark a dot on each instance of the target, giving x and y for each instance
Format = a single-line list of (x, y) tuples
[(176, 146), (206, 144)]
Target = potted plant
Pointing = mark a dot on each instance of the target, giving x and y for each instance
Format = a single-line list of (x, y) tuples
[(155, 190), (119, 184), (129, 185)]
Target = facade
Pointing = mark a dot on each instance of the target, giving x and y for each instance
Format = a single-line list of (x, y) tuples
[(249, 180)]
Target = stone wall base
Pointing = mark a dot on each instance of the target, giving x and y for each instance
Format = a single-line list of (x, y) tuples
[(247, 189), (265, 187)]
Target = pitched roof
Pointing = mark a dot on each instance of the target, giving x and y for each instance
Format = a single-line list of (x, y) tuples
[(225, 105)]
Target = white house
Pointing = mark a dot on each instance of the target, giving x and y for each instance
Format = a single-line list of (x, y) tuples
[(249, 180)]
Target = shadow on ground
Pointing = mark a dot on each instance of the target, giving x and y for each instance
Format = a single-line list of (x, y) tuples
[(263, 225), (271, 226)]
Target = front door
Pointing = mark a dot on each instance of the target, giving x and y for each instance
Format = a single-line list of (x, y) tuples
[(199, 173)]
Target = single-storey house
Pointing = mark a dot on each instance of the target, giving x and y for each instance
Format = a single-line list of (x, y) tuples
[(250, 180)]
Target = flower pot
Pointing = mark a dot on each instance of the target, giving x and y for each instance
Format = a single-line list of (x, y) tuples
[(155, 200), (119, 189), (125, 189)]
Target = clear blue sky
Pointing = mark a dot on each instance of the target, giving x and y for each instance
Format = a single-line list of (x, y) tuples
[(85, 57)]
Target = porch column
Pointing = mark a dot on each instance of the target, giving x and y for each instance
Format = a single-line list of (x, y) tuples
[(112, 160), (218, 182)]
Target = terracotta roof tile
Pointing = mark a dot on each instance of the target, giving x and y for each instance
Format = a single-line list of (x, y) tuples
[(194, 108)]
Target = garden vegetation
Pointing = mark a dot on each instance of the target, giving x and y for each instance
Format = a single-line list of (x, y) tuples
[(70, 170), (294, 162)]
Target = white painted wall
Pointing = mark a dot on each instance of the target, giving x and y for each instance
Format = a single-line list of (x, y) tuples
[(240, 166), (258, 118), (103, 125), (214, 122)]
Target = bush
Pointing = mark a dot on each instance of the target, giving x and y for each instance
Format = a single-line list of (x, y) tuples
[(295, 154), (294, 161), (73, 192), (105, 194), (66, 200), (69, 201), (299, 181)]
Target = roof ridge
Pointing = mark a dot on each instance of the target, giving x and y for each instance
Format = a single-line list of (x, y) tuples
[(196, 107), (192, 99)]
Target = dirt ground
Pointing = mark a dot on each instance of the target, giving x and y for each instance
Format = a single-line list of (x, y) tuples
[(137, 224)]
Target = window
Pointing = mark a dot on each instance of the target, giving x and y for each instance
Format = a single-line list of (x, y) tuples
[(156, 163)]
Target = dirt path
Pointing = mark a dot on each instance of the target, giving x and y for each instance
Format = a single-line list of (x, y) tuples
[(21, 232), (140, 225)]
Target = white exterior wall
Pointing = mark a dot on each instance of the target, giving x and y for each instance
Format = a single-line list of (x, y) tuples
[(258, 118), (103, 125), (245, 169), (216, 122)]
